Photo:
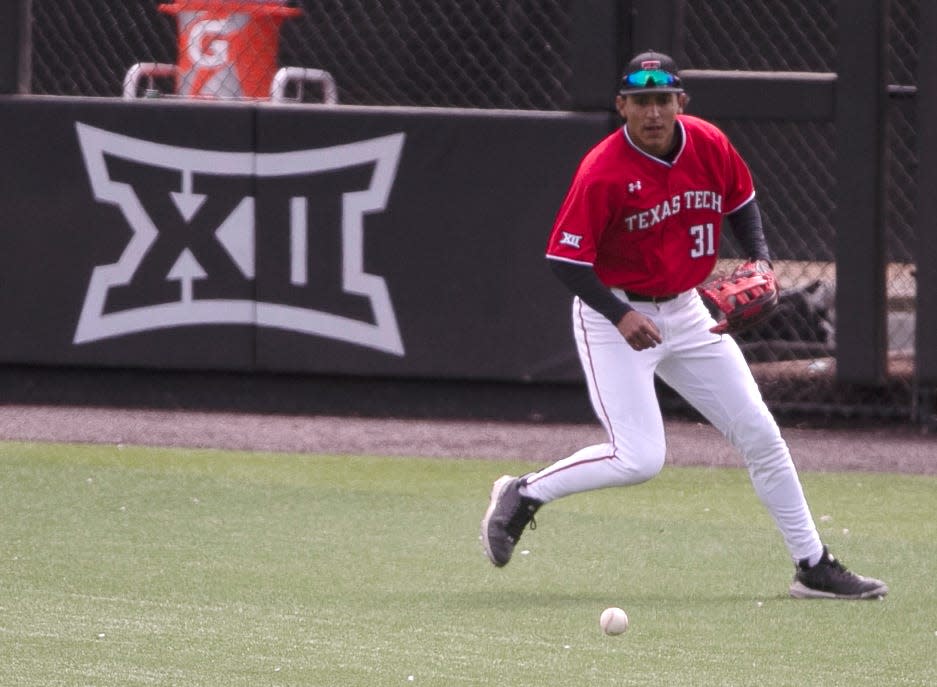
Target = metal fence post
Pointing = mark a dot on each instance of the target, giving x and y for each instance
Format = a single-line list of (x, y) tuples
[(15, 46), (9, 47), (926, 222), (596, 30), (860, 117), (656, 25)]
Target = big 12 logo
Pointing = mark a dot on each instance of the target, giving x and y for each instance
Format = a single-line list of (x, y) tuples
[(192, 258)]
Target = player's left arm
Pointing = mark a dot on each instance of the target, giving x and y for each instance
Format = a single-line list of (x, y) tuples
[(747, 228), (744, 215)]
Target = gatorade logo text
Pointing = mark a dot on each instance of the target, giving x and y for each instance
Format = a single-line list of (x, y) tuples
[(206, 49)]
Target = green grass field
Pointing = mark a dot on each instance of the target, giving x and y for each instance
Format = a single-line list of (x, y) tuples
[(133, 566)]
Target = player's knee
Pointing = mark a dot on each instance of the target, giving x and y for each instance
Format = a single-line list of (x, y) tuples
[(650, 467), (756, 435), (642, 465)]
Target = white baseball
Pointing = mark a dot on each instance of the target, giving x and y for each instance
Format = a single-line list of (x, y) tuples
[(613, 621)]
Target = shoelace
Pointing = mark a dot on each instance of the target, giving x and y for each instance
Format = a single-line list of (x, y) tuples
[(836, 569), (522, 516)]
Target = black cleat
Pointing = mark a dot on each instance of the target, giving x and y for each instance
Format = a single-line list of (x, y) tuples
[(507, 515), (829, 579)]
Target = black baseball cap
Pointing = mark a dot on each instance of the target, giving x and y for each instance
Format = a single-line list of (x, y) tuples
[(650, 72)]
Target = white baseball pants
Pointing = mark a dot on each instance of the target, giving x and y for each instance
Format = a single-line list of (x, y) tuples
[(706, 369)]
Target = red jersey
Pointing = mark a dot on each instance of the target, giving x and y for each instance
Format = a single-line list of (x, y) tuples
[(647, 225)]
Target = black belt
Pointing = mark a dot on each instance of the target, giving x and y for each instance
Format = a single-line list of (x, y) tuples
[(642, 298)]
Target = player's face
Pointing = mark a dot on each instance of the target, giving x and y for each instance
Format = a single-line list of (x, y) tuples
[(650, 119)]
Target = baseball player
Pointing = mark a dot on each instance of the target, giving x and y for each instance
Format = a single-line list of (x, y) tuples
[(638, 231)]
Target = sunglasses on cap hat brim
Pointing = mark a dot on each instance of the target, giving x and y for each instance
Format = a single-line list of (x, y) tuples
[(650, 81)]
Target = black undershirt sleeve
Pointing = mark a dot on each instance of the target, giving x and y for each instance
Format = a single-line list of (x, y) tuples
[(747, 229), (584, 282)]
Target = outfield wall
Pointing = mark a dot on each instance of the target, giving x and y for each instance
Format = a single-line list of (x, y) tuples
[(173, 235)]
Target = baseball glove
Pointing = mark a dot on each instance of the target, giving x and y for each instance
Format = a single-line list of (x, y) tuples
[(747, 296)]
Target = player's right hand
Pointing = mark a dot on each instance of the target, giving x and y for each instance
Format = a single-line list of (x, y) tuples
[(639, 330)]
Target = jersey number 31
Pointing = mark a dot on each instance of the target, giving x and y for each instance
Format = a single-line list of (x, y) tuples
[(703, 240)]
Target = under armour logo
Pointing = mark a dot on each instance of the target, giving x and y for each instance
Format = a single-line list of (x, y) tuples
[(570, 239), (634, 186), (194, 258)]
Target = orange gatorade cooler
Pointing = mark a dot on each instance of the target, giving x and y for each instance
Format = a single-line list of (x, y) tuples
[(228, 48)]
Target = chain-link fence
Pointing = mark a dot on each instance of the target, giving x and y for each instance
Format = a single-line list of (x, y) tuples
[(517, 54), (794, 358), (510, 54)]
